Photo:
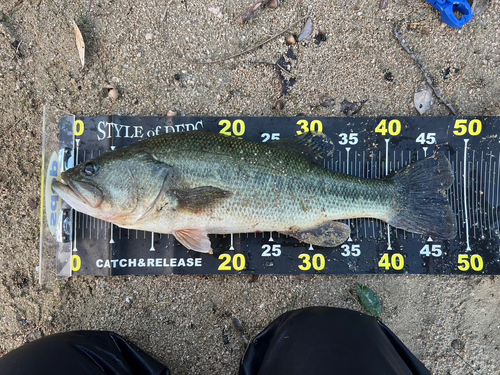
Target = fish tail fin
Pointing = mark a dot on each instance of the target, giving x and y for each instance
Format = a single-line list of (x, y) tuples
[(421, 204)]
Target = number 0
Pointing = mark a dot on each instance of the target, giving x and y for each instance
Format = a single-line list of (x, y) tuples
[(79, 127), (239, 262), (76, 263)]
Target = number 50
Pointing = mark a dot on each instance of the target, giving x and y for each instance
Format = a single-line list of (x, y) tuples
[(474, 127), (476, 262)]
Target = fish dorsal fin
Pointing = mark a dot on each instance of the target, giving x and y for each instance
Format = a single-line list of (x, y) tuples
[(194, 239), (199, 198), (314, 146)]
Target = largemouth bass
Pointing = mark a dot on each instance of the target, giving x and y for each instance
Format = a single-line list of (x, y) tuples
[(198, 183)]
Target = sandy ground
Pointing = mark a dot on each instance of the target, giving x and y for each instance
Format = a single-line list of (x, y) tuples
[(146, 49)]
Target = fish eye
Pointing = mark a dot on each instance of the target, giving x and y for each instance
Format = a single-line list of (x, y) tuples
[(90, 169)]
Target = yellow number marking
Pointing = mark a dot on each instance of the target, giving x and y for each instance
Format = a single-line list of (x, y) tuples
[(226, 259), (474, 127), (315, 126), (318, 262), (237, 127), (475, 262), (76, 263), (394, 127), (79, 127), (306, 262), (238, 262), (396, 261)]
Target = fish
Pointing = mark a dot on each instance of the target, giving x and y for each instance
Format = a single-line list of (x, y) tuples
[(192, 184)]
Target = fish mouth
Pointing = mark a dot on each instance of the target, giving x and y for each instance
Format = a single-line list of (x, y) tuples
[(78, 193)]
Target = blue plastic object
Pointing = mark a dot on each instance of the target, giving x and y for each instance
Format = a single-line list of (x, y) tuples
[(446, 7)]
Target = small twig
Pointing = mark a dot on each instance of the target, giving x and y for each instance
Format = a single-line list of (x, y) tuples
[(16, 54), (261, 63), (241, 330), (274, 65), (246, 16), (164, 14), (14, 7), (164, 18), (427, 77), (7, 131), (467, 363), (247, 50)]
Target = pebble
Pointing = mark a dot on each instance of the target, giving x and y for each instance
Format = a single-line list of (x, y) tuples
[(112, 92), (290, 40), (272, 4)]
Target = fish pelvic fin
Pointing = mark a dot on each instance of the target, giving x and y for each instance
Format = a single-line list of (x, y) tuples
[(421, 203), (199, 198), (329, 234), (194, 239)]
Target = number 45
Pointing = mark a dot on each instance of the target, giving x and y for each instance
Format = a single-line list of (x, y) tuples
[(426, 138), (434, 250)]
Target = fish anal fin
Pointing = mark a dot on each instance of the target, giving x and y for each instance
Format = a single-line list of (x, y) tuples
[(329, 234), (194, 239), (199, 198)]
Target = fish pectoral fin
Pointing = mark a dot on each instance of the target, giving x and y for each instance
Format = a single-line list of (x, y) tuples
[(199, 198), (194, 239), (330, 234)]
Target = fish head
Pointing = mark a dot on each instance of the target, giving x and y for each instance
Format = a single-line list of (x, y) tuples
[(120, 187)]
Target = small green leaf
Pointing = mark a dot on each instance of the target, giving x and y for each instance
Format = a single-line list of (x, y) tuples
[(369, 300)]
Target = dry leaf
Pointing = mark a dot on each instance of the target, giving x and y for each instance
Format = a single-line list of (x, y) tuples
[(479, 6), (217, 12), (350, 109), (80, 44), (307, 31), (423, 99)]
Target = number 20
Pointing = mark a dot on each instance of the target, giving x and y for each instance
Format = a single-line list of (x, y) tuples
[(237, 127), (238, 262)]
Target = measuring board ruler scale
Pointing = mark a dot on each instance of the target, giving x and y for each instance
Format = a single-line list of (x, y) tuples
[(364, 147)]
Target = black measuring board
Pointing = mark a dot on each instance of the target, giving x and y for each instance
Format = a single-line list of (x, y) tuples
[(365, 147)]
